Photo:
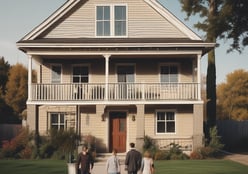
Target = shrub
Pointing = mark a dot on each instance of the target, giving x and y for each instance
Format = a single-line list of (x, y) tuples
[(150, 145)]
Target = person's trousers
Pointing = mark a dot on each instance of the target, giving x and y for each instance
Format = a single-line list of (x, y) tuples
[(132, 172)]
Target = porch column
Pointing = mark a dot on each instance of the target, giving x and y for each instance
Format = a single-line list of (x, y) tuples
[(29, 77), (198, 126), (199, 75), (140, 126), (106, 75)]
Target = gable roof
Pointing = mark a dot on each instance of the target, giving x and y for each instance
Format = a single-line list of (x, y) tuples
[(69, 7)]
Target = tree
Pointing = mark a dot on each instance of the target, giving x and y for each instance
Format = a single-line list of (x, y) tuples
[(4, 70), (209, 12), (234, 23), (17, 86), (233, 96)]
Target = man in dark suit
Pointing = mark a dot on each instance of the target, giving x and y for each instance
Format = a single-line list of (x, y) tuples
[(133, 160)]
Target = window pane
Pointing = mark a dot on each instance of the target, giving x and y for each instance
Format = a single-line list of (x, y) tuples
[(170, 126), (122, 125), (161, 127), (120, 12), (99, 13), (106, 13), (161, 115), (120, 20), (107, 28), (103, 21), (62, 118), (170, 116), (56, 74), (54, 118)]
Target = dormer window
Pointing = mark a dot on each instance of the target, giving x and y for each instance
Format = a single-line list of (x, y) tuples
[(111, 20)]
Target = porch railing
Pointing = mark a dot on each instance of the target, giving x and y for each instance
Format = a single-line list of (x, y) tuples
[(114, 92)]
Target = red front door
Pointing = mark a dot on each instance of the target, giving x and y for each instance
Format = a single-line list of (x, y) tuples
[(118, 131)]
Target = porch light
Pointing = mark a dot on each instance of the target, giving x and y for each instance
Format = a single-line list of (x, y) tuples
[(103, 117), (133, 118)]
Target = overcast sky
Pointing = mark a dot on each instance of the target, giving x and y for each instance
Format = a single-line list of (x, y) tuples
[(18, 17)]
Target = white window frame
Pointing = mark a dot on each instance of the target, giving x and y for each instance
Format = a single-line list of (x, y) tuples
[(125, 64), (112, 19), (53, 65), (156, 122)]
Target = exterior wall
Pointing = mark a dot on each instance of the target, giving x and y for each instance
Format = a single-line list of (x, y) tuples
[(44, 121), (146, 70), (141, 21)]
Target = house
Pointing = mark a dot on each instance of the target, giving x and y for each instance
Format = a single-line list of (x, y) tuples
[(116, 70)]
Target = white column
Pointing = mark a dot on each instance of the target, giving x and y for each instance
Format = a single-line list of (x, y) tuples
[(29, 77), (106, 75), (199, 75)]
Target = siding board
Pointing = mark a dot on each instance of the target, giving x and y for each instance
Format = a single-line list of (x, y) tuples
[(143, 21)]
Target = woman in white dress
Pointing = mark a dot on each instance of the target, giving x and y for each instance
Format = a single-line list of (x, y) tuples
[(147, 165)]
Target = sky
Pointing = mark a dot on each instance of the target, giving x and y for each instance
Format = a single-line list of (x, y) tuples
[(19, 17)]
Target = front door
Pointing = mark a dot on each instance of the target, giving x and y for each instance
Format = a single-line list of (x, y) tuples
[(118, 131)]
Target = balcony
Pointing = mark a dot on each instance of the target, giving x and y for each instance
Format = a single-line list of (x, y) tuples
[(115, 92)]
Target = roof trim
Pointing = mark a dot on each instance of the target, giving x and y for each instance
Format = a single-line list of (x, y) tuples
[(172, 19)]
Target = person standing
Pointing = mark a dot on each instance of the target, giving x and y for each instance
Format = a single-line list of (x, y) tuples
[(133, 160), (85, 160), (113, 164), (147, 165)]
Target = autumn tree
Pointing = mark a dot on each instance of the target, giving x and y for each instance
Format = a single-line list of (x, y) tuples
[(17, 86), (4, 70), (233, 96)]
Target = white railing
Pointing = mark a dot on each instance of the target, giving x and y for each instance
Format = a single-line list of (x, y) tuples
[(116, 91)]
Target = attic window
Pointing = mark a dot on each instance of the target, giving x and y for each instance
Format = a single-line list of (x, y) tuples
[(111, 20)]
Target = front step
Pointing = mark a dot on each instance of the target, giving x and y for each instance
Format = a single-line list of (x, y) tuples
[(102, 157)]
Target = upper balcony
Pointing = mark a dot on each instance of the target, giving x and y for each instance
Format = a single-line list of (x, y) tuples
[(115, 92)]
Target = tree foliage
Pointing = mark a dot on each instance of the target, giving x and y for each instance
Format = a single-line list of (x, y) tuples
[(233, 96), (17, 86), (4, 70)]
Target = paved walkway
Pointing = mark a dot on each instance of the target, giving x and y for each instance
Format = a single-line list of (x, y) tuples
[(243, 159), (99, 168)]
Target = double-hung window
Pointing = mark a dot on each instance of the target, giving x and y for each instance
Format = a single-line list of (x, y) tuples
[(58, 121), (80, 74), (165, 122), (169, 74), (111, 20)]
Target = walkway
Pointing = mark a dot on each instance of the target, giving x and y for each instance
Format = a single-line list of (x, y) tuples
[(240, 158)]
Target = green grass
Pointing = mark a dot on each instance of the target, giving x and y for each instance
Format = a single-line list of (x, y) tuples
[(200, 167), (33, 167), (162, 167)]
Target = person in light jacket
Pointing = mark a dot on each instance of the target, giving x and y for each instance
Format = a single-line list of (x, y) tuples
[(113, 164)]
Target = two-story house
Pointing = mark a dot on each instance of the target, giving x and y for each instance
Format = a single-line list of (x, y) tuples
[(117, 70)]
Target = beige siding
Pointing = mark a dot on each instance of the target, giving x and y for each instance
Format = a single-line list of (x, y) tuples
[(143, 21), (146, 71)]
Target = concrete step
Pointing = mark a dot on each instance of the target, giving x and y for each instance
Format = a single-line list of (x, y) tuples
[(102, 157)]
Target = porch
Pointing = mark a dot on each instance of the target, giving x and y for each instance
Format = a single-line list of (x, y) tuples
[(115, 92)]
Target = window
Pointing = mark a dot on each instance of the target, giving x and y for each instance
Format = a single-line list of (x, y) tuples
[(80, 74), (165, 122), (111, 20), (125, 73), (56, 73), (57, 121), (169, 74)]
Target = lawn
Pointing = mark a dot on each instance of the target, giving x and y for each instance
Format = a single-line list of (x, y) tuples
[(200, 167), (33, 167), (162, 167)]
